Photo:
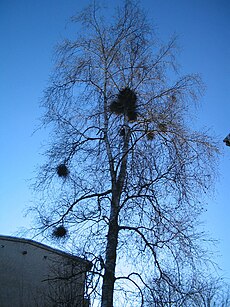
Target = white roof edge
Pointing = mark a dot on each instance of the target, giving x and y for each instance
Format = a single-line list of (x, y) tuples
[(45, 247)]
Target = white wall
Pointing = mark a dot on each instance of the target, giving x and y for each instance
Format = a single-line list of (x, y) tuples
[(29, 271)]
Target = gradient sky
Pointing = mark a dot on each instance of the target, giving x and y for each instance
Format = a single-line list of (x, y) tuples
[(29, 30)]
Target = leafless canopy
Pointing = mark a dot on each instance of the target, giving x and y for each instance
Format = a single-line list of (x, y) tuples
[(135, 170)]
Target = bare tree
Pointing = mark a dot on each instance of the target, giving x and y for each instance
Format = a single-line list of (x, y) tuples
[(125, 173), (197, 290)]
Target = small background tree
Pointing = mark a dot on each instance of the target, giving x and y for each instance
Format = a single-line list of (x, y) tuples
[(198, 290), (125, 172)]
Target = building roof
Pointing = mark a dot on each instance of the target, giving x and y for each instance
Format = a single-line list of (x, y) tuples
[(46, 248)]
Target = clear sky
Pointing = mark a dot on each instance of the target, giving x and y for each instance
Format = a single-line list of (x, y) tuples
[(29, 30)]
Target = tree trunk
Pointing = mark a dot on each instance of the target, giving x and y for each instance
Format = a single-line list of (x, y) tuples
[(112, 236), (110, 260)]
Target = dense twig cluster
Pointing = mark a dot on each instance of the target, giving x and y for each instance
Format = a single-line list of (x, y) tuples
[(62, 170), (60, 232), (227, 140), (126, 103)]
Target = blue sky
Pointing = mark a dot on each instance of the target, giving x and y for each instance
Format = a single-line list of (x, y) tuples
[(29, 30)]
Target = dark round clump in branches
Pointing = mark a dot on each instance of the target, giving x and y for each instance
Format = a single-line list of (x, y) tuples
[(122, 132), (227, 140), (173, 97), (60, 232), (62, 170), (127, 98), (117, 107), (163, 127), (132, 116), (150, 135), (126, 103)]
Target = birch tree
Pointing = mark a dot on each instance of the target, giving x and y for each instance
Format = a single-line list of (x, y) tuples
[(125, 171)]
